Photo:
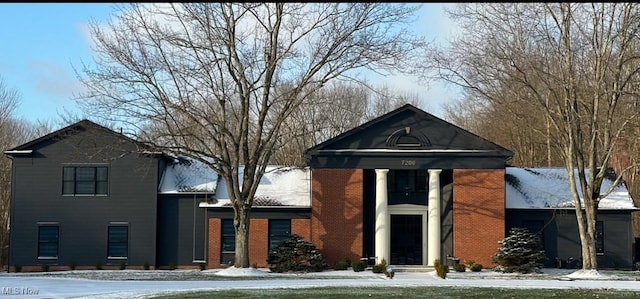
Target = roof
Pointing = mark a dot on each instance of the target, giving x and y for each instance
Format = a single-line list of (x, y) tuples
[(437, 134), (280, 186), (187, 176), (548, 188), (27, 148), (526, 188)]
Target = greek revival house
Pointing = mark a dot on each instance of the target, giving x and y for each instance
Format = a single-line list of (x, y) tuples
[(406, 187)]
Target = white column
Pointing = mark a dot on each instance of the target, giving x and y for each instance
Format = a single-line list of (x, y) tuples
[(382, 217), (433, 241)]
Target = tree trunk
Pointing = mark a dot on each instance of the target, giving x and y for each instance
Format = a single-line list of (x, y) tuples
[(586, 226), (241, 223)]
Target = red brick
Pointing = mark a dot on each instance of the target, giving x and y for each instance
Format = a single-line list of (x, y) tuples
[(478, 214), (336, 220), (258, 242), (213, 256)]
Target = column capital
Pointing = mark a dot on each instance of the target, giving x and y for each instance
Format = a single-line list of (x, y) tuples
[(434, 171), (382, 171)]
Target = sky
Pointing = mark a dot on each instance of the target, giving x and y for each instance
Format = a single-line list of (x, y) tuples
[(44, 42), (127, 283)]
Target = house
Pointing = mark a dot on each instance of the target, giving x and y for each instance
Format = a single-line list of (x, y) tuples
[(406, 187)]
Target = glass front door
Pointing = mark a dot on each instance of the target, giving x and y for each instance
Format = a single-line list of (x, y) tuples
[(406, 240)]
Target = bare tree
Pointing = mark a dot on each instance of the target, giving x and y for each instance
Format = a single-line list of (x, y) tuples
[(576, 64), (217, 81), (12, 132), (335, 109)]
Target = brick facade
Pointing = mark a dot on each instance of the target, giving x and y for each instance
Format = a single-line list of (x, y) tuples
[(478, 214), (213, 252), (336, 220), (258, 240)]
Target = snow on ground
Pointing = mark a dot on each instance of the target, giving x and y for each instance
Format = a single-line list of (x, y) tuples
[(108, 284)]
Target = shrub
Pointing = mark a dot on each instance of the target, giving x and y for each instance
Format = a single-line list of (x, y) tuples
[(98, 265), (172, 266), (475, 267), (441, 269), (359, 266), (296, 254), (380, 268), (45, 268), (72, 265), (341, 265), (123, 265), (459, 267), (17, 268), (521, 252), (203, 266), (146, 265)]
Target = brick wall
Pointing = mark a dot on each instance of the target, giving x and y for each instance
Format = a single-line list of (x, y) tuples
[(259, 242), (213, 254), (478, 214), (302, 228), (336, 220)]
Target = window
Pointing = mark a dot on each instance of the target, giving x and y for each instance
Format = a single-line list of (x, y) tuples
[(48, 241), (279, 231), (599, 237), (407, 181), (118, 246), (84, 180), (228, 241)]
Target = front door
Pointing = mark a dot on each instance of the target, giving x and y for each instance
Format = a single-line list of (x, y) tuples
[(406, 240)]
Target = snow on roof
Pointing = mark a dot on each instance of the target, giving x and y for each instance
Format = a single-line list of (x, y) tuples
[(188, 176), (548, 188), (279, 186)]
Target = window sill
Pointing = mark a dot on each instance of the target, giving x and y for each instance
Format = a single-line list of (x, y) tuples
[(47, 257), (117, 257), (85, 195)]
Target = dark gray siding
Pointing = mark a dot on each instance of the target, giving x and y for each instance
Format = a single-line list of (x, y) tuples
[(562, 241), (83, 220), (182, 231)]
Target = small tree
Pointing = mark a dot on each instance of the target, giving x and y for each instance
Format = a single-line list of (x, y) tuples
[(520, 252)]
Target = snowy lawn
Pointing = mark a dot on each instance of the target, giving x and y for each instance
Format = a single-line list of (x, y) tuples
[(145, 284)]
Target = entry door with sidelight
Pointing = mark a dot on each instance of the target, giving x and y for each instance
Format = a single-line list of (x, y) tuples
[(406, 240)]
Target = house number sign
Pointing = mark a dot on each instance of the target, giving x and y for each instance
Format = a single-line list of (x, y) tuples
[(408, 162)]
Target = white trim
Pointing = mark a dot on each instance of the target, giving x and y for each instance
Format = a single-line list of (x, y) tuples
[(410, 209), (18, 152), (209, 205)]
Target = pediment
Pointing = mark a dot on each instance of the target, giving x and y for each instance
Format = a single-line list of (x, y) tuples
[(408, 128)]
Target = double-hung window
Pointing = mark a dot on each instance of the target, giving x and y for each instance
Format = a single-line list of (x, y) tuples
[(118, 243), (228, 241), (279, 231), (48, 236), (85, 180)]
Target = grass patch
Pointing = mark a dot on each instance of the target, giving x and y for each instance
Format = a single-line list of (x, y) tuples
[(407, 292)]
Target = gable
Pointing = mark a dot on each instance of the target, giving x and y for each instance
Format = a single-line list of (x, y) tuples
[(408, 133), (94, 138)]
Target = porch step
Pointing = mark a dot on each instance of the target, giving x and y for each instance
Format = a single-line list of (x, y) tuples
[(412, 268)]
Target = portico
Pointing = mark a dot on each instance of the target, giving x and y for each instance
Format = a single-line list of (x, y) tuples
[(398, 175), (383, 223)]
